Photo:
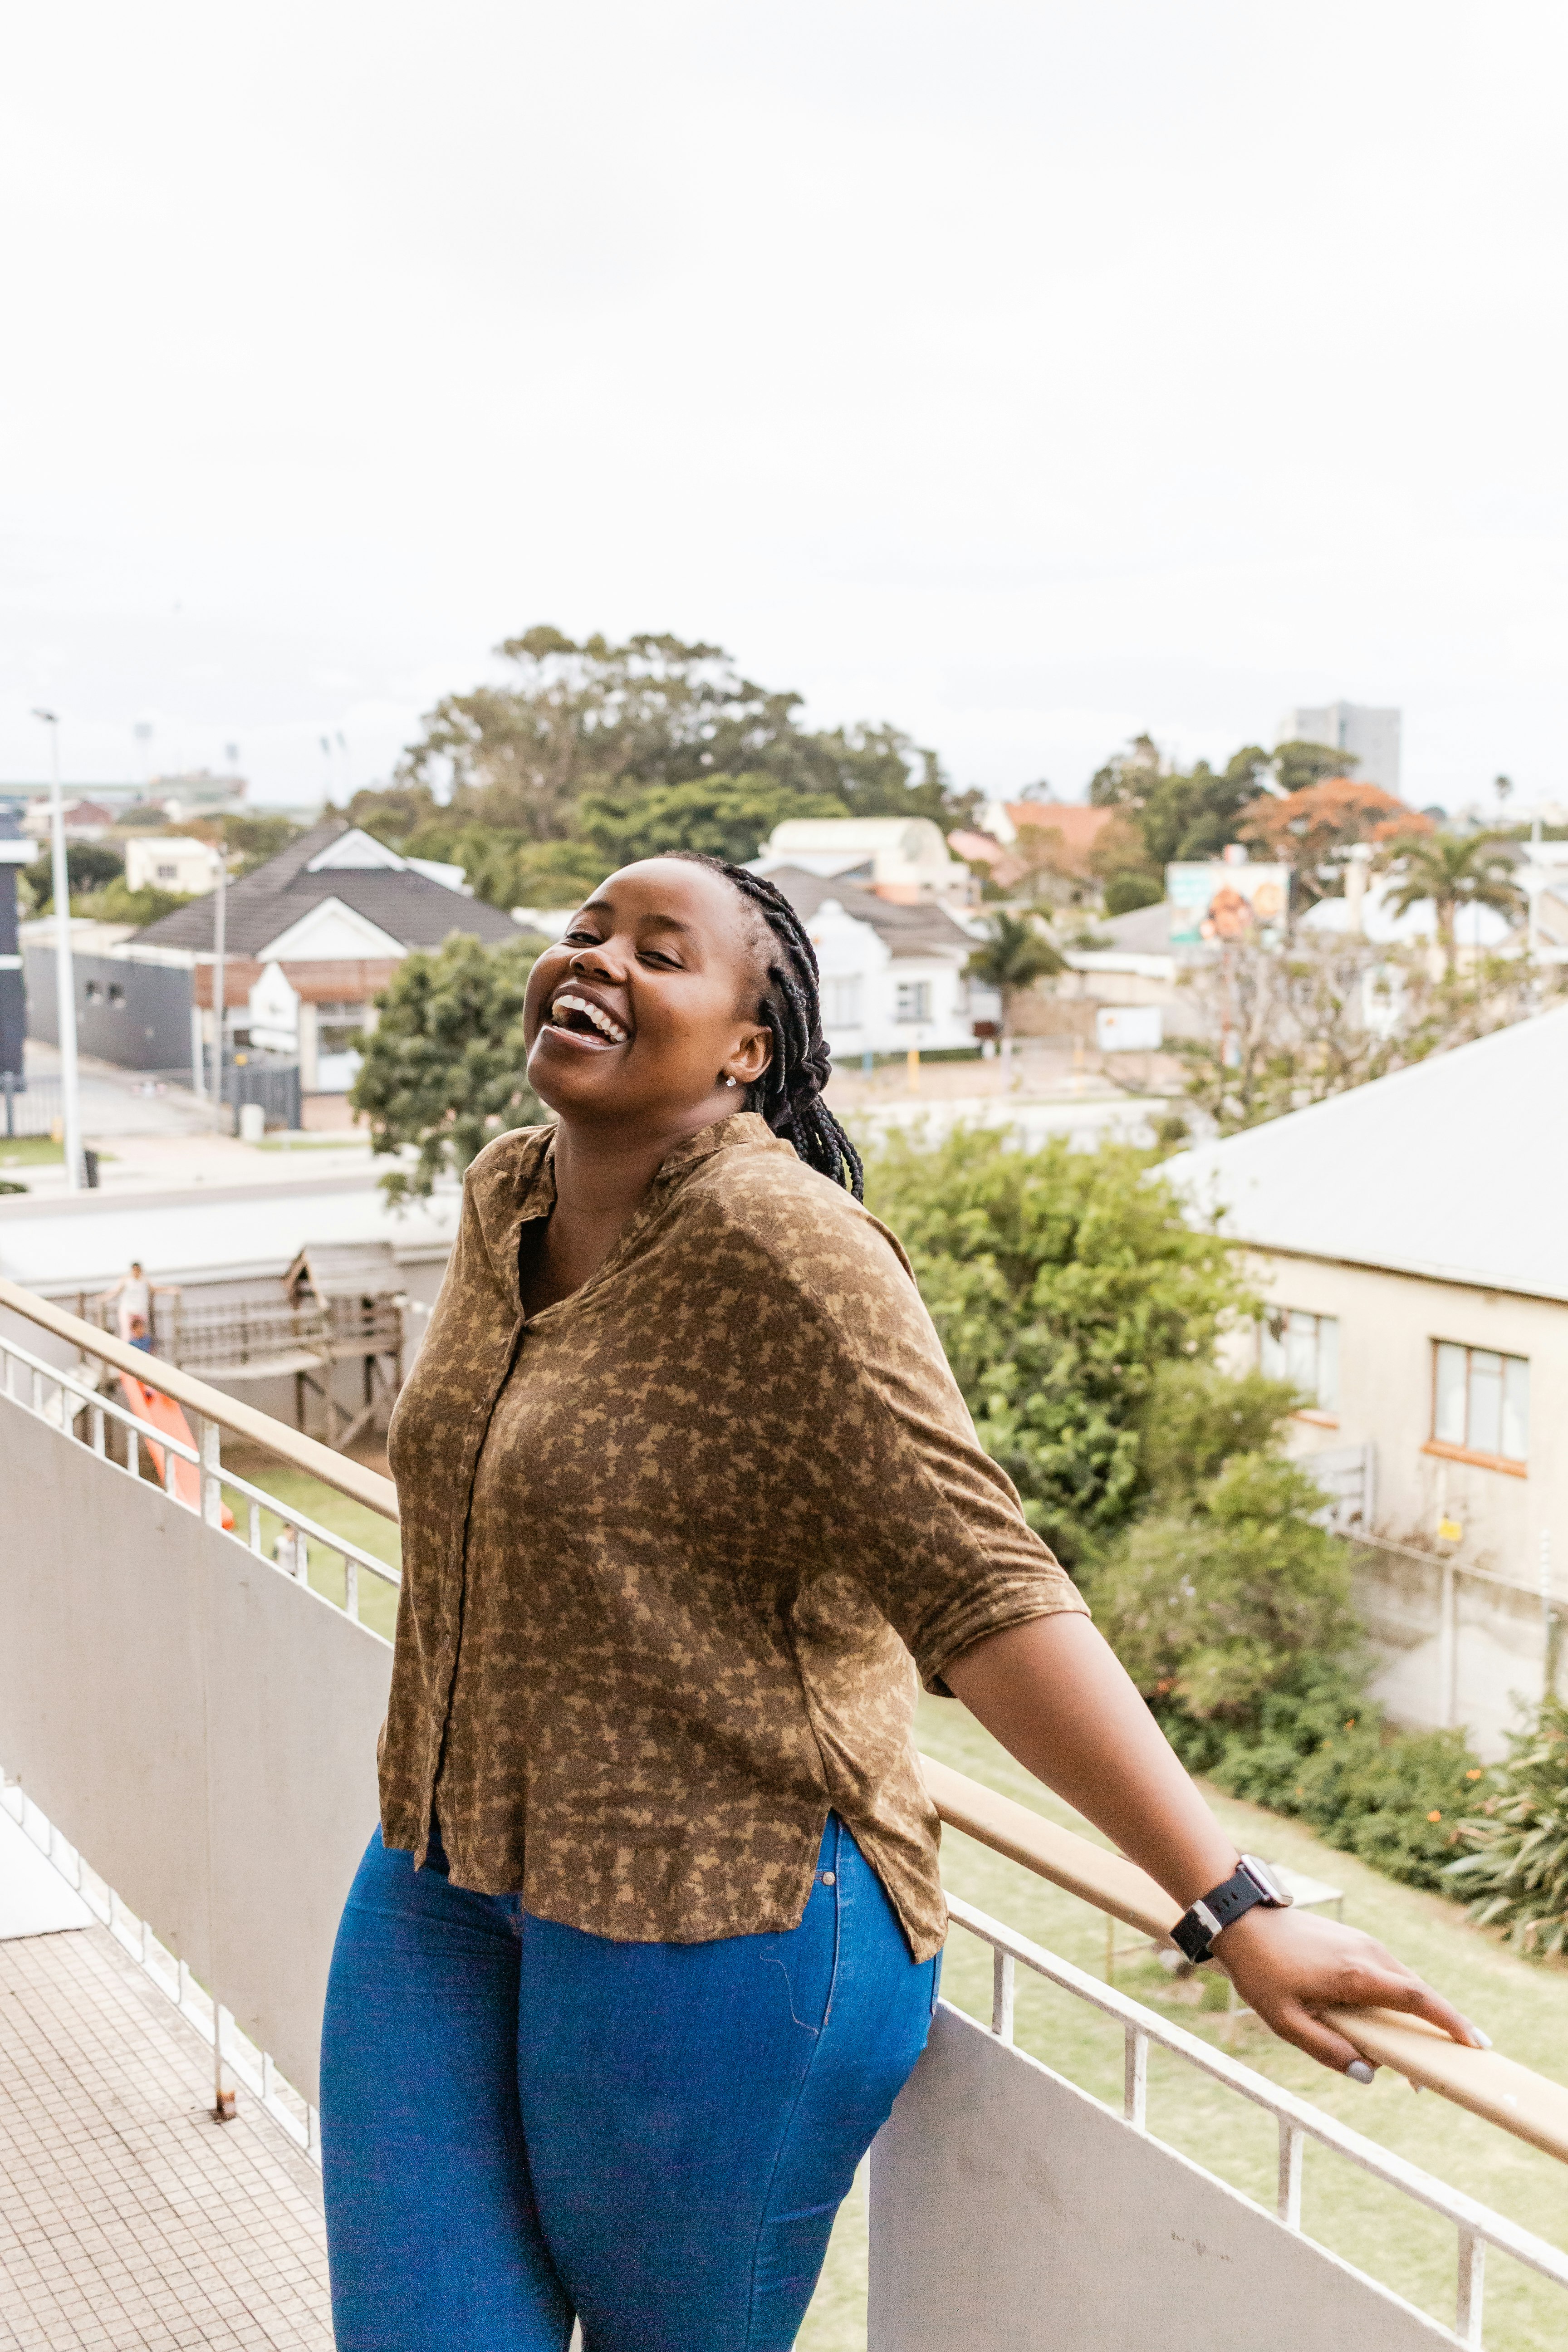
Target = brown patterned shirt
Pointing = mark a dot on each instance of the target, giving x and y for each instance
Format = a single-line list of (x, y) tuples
[(670, 1546)]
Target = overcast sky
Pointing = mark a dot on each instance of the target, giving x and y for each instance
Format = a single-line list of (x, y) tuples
[(1023, 374)]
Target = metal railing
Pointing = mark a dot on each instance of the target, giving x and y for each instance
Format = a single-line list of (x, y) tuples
[(1298, 2120), (64, 1396), (1508, 2096), (28, 1107)]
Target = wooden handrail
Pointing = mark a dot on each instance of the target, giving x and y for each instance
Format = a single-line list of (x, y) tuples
[(289, 1445), (1491, 2087)]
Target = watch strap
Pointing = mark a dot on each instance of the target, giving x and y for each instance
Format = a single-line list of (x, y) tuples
[(1248, 1885)]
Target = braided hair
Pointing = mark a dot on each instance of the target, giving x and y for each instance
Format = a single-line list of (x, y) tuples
[(788, 1095)]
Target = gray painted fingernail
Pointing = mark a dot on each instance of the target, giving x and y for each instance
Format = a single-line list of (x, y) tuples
[(1359, 2071)]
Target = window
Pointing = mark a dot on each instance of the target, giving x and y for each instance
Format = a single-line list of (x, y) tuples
[(338, 1027), (1303, 1349), (843, 1007), (117, 994), (914, 1000), (1480, 1401), (168, 873)]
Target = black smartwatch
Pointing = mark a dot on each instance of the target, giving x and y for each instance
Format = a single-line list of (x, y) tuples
[(1253, 1883)]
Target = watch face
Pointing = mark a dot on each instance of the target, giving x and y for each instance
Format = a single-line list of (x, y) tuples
[(1263, 1878)]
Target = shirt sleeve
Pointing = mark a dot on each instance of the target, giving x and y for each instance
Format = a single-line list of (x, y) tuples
[(916, 1508)]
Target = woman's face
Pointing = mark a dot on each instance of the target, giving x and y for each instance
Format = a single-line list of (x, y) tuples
[(644, 1008)]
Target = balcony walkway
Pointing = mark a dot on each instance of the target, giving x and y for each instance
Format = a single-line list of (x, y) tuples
[(127, 2216)]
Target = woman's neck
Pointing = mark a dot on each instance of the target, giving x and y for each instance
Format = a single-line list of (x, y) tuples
[(602, 1177)]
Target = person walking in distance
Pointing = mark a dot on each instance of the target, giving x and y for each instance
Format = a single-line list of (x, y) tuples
[(130, 1296), (649, 1938), (291, 1552)]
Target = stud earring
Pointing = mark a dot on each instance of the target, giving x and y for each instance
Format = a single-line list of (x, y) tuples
[(729, 1082)]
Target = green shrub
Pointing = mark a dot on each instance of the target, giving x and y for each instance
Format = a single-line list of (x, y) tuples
[(1516, 1873), (1197, 1418), (1211, 1607), (1060, 1281)]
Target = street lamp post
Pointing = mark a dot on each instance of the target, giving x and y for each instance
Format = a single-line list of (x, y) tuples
[(65, 976), (220, 964)]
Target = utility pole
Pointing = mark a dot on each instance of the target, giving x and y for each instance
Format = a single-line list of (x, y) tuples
[(219, 958), (65, 975)]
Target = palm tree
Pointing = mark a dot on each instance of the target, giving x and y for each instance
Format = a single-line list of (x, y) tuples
[(1452, 873), (1015, 955)]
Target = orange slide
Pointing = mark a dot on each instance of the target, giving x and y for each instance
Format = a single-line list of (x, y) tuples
[(151, 1405)]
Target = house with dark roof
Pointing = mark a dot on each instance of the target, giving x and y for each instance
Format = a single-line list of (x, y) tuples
[(308, 938), (892, 973)]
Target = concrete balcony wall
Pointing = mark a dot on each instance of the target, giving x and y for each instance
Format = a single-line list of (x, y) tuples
[(1009, 2208), (199, 1726)]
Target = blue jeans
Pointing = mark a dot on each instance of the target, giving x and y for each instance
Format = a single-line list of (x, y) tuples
[(520, 2121)]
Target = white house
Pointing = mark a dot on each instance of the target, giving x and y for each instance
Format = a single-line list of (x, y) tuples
[(169, 862), (310, 938), (904, 860), (892, 971), (1410, 1243)]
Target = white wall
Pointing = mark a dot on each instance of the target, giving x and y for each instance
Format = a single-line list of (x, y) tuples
[(1437, 1667), (852, 955)]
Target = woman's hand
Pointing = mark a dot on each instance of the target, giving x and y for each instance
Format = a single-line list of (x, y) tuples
[(1289, 1964), (1053, 1694)]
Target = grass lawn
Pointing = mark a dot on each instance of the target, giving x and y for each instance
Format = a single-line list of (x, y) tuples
[(36, 1151), (296, 1492), (1524, 2008)]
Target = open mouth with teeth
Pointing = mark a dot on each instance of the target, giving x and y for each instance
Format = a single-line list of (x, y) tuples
[(585, 1024)]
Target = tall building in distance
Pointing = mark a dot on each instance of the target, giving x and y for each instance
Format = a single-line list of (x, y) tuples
[(1369, 736)]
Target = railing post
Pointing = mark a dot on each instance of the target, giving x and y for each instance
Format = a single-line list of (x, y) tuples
[(253, 1529), (223, 2101), (1472, 2287), (350, 1586), (1292, 2142), (1135, 2079), (96, 1420), (1004, 1992), (208, 1440)]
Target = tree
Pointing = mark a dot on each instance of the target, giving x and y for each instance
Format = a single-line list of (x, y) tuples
[(1280, 1030), (1298, 766), (1314, 829), (1060, 1281), (1125, 893), (1127, 777), (444, 1068), (1017, 954), (90, 866), (594, 717), (1192, 813), (1451, 873), (728, 816)]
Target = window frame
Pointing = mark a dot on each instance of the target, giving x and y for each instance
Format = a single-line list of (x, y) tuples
[(920, 990), (1444, 1449), (1324, 1416)]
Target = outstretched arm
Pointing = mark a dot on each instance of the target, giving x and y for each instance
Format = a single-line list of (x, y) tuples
[(1054, 1694)]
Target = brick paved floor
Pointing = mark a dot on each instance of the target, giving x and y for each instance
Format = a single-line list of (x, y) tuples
[(128, 2216)]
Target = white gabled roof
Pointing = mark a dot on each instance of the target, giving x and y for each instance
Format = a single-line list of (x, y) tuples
[(329, 933), (1455, 1168)]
